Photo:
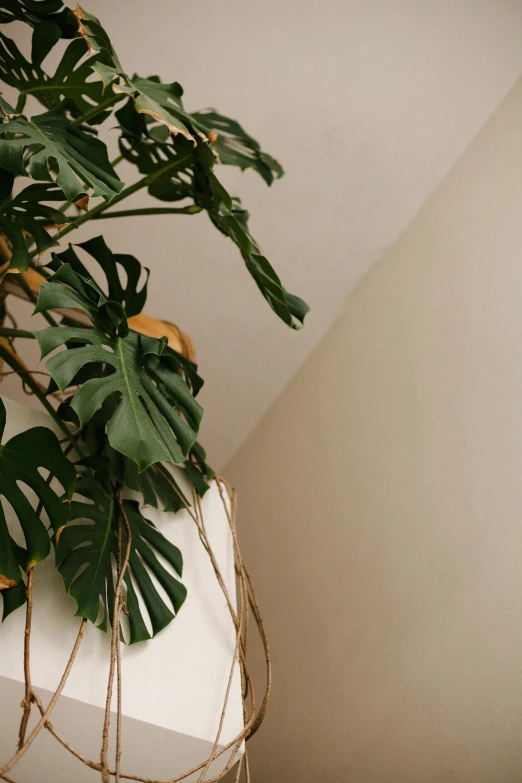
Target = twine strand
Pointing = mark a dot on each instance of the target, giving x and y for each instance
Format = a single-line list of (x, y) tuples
[(247, 603)]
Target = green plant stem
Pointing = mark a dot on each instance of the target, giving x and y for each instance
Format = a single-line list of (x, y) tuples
[(114, 98), (12, 360), (117, 160), (125, 193), (6, 332), (20, 104), (190, 210)]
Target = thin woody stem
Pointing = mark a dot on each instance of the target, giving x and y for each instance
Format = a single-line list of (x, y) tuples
[(27, 659), (174, 165), (41, 723), (15, 362), (6, 332), (105, 773)]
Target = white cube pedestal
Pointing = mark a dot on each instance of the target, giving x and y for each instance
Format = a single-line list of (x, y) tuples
[(173, 686)]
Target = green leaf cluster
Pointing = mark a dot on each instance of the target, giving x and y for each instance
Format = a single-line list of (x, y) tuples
[(129, 411)]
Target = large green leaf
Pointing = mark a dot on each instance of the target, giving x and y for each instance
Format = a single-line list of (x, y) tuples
[(145, 427), (27, 215), (85, 553), (158, 484), (157, 417), (20, 461), (72, 79), (76, 158)]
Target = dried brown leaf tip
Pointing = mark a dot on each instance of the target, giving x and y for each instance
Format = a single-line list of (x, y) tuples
[(172, 128), (119, 91), (212, 137), (83, 203), (81, 29), (6, 583)]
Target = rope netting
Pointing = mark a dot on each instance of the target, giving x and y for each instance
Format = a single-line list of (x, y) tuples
[(247, 610)]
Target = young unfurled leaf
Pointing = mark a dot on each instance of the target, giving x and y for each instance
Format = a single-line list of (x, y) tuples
[(85, 555), (27, 215), (77, 159), (20, 460)]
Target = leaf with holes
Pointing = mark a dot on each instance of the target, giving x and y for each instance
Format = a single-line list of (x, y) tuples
[(73, 78), (20, 460), (77, 159), (128, 294), (146, 427), (85, 554), (26, 215)]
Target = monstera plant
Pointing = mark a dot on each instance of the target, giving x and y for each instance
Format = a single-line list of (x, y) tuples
[(124, 401)]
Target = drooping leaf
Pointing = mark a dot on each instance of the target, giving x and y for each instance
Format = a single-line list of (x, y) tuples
[(20, 460), (73, 78), (232, 220), (36, 12), (85, 554), (77, 159), (26, 215), (157, 417), (195, 180), (235, 147)]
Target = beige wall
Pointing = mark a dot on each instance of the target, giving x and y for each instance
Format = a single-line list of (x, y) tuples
[(381, 506)]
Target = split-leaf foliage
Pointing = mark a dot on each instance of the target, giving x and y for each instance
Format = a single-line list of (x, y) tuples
[(128, 402)]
